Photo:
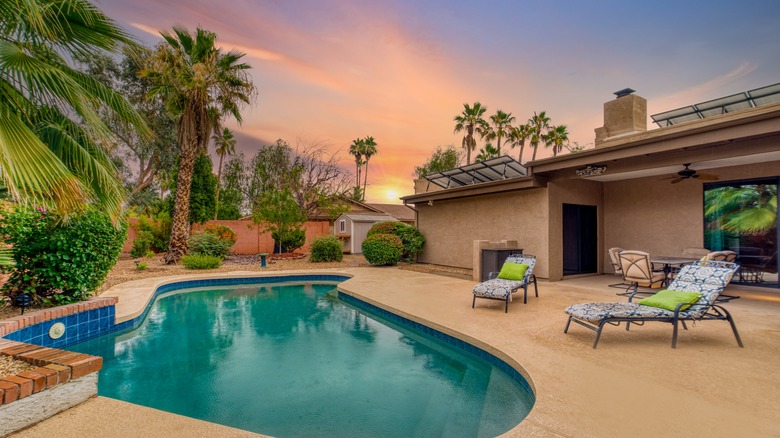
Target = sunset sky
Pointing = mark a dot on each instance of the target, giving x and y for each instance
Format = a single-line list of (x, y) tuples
[(330, 71)]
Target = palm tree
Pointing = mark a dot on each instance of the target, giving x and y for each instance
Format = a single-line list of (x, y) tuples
[(50, 129), (369, 150), (225, 144), (199, 84), (472, 122), (502, 127), (487, 153), (518, 137), (556, 137), (539, 125), (356, 150)]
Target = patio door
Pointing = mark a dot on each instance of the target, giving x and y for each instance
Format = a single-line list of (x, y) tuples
[(741, 216), (580, 239)]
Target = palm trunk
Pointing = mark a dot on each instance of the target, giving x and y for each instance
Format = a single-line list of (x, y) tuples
[(365, 182), (180, 226), (498, 145), (219, 185), (520, 158), (536, 146)]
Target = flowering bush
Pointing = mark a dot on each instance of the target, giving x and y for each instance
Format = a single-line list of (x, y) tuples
[(221, 231)]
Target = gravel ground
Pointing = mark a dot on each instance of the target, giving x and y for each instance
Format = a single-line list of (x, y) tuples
[(11, 367)]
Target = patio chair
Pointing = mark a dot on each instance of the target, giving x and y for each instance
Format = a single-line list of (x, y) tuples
[(615, 261), (722, 256), (637, 269), (497, 288), (707, 278)]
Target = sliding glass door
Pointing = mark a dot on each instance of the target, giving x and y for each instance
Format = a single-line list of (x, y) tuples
[(741, 216)]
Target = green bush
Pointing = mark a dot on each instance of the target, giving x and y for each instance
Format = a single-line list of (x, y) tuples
[(326, 249), (141, 266), (209, 244), (411, 238), (201, 261), (382, 249), (58, 261), (142, 244), (290, 241)]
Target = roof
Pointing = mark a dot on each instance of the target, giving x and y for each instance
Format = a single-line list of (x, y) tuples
[(398, 211), (369, 217)]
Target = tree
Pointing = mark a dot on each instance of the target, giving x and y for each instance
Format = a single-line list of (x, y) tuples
[(539, 124), (502, 128), (356, 150), (556, 137), (487, 153), (231, 206), (369, 150), (152, 157), (50, 131), (518, 137), (276, 211), (472, 122), (199, 84), (440, 160), (225, 144)]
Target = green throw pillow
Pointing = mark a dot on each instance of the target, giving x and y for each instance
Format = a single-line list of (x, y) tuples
[(513, 271), (669, 299)]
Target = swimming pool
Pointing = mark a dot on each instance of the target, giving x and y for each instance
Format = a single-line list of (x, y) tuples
[(292, 359)]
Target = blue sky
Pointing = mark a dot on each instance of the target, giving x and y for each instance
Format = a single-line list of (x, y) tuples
[(329, 71)]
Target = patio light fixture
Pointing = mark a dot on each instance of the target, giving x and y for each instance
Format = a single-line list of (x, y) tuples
[(23, 301)]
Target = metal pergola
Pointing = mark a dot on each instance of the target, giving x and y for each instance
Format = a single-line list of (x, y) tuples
[(495, 169)]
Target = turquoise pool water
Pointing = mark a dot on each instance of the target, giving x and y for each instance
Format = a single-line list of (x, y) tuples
[(293, 360)]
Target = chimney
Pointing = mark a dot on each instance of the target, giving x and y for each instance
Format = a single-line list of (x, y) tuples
[(624, 115)]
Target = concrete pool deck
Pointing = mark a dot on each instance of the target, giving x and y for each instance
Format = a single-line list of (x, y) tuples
[(634, 384)]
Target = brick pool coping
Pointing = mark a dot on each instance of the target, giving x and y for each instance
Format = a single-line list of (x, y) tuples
[(54, 366)]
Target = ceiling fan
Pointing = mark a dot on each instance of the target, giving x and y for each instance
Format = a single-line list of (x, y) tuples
[(687, 173)]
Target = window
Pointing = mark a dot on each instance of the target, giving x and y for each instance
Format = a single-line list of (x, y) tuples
[(741, 216), (342, 226)]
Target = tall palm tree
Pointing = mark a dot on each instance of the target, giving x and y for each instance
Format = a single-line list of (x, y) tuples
[(356, 150), (556, 137), (50, 129), (518, 137), (502, 127), (369, 150), (539, 124), (199, 84), (472, 122), (225, 144)]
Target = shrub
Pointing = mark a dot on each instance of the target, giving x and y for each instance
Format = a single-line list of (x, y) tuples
[(149, 254), (382, 249), (141, 244), (290, 241), (141, 266), (201, 261), (209, 244), (411, 238), (57, 261), (326, 249), (221, 231)]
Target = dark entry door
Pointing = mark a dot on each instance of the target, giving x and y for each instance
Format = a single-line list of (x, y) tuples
[(580, 239)]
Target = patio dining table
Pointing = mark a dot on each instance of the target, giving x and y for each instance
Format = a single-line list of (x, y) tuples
[(670, 261)]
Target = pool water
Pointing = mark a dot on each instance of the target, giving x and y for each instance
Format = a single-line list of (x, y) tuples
[(291, 359)]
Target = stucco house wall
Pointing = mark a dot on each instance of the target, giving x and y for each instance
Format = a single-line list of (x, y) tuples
[(453, 226)]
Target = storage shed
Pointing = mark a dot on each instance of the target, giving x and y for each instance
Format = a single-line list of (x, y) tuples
[(353, 228)]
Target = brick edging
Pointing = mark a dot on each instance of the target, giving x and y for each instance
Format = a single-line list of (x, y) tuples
[(15, 323), (54, 367)]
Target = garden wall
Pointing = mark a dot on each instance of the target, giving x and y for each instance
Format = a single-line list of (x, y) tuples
[(249, 238)]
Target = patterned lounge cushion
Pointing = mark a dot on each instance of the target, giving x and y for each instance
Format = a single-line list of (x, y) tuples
[(596, 312), (497, 288)]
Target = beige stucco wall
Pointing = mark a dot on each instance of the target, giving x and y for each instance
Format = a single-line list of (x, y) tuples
[(451, 227), (650, 214), (580, 192)]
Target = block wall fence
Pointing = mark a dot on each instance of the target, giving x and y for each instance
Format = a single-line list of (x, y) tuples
[(249, 238)]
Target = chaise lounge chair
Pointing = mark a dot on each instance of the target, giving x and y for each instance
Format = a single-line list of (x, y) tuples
[(707, 278), (502, 288)]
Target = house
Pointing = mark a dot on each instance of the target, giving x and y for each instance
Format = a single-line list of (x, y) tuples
[(400, 212), (638, 189), (352, 229)]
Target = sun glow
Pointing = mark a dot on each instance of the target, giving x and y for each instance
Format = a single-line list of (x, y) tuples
[(392, 195)]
